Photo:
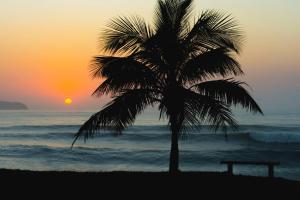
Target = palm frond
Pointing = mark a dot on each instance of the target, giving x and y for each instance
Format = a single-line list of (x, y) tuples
[(210, 64), (121, 73), (163, 16), (110, 66), (173, 15), (182, 17), (150, 57), (210, 111), (214, 29), (126, 35), (230, 91), (196, 109), (118, 114)]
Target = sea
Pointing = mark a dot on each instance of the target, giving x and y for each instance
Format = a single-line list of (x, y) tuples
[(41, 140)]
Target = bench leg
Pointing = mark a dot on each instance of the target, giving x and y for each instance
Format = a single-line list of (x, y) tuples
[(271, 171), (230, 169)]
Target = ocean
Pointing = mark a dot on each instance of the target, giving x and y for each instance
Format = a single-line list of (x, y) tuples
[(41, 140)]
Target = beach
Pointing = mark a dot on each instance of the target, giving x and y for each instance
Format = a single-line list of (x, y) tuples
[(137, 184)]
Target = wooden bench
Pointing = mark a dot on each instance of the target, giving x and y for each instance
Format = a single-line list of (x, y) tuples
[(269, 164)]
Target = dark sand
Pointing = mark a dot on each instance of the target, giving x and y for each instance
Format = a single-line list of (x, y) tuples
[(132, 183)]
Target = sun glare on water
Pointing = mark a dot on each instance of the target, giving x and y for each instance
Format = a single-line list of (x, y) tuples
[(68, 101)]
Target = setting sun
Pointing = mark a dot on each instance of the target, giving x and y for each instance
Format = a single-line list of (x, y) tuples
[(68, 101)]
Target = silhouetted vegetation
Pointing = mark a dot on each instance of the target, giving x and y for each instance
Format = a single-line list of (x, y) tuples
[(185, 67)]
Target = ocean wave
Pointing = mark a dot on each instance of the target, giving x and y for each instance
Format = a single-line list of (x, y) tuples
[(57, 135), (39, 127), (154, 127), (259, 133), (276, 137), (98, 155)]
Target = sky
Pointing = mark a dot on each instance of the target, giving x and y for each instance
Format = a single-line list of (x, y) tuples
[(46, 47)]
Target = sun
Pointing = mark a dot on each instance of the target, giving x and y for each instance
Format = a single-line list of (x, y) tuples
[(68, 101)]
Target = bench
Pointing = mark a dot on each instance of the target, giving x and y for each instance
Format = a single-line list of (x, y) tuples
[(269, 164)]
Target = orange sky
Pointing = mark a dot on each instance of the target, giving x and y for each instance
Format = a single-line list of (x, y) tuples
[(46, 47)]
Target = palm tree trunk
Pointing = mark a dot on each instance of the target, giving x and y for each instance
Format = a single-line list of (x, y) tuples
[(174, 155)]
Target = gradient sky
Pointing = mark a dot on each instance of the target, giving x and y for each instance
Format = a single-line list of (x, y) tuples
[(46, 47)]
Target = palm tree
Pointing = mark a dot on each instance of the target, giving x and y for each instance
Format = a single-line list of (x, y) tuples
[(185, 68)]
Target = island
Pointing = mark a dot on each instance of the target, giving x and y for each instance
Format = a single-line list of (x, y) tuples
[(4, 105)]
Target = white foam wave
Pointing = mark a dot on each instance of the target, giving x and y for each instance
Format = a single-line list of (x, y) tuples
[(276, 137)]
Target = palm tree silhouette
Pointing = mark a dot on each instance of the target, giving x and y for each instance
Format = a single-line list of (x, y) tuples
[(175, 64)]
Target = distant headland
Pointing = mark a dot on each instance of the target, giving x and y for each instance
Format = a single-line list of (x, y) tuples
[(5, 105)]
